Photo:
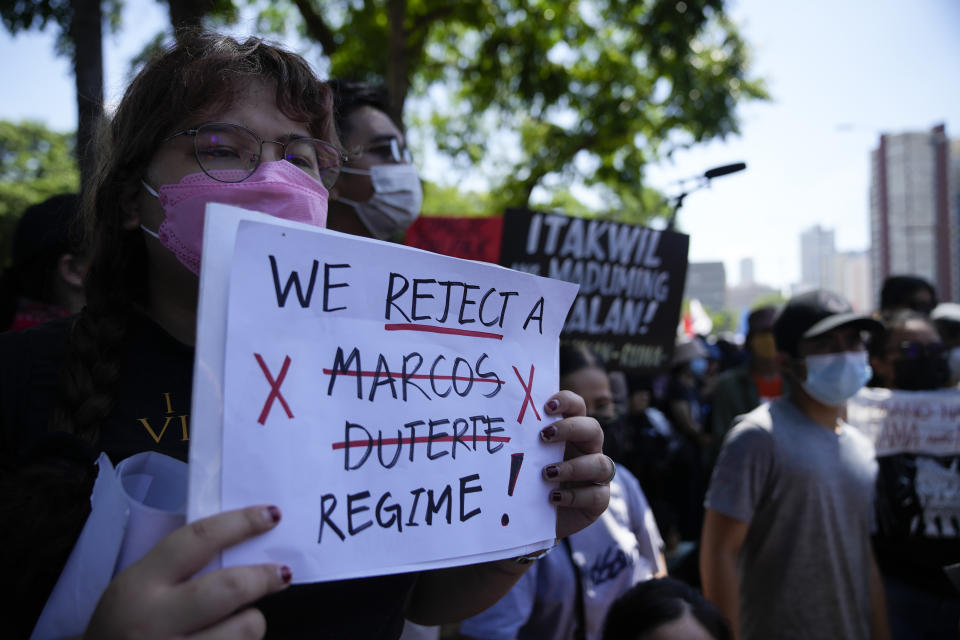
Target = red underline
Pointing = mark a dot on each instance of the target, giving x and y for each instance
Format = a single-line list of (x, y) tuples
[(422, 439), (417, 376), (450, 330)]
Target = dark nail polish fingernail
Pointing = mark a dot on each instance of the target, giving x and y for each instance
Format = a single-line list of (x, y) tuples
[(285, 574), (548, 432), (555, 496), (273, 513), (552, 471), (553, 405)]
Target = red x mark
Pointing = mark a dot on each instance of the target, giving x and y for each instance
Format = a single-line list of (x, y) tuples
[(527, 388), (274, 388)]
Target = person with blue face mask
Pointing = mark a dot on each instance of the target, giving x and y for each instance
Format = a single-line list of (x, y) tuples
[(378, 194), (785, 550)]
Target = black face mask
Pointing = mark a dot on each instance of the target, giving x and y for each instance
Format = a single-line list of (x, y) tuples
[(606, 421), (921, 373), (612, 435)]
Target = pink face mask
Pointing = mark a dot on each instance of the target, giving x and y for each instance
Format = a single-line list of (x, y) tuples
[(276, 188)]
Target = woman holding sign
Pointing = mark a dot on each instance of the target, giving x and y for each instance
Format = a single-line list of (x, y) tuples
[(248, 124)]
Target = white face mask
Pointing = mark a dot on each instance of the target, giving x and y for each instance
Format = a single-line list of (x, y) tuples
[(396, 200), (834, 378)]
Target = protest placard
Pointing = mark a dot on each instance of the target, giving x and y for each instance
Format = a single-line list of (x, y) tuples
[(926, 422), (916, 435), (631, 281), (473, 238), (389, 400)]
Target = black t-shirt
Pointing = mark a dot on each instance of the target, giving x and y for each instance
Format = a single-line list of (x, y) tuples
[(152, 410), (918, 522), (679, 390), (152, 413)]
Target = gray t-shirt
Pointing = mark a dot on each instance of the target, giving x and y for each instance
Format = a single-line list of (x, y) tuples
[(807, 494)]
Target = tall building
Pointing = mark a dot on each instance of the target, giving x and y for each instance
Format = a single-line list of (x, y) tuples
[(845, 272), (707, 282), (817, 251), (915, 209), (746, 272), (852, 279)]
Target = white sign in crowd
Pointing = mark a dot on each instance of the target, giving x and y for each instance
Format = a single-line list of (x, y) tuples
[(387, 399), (926, 422)]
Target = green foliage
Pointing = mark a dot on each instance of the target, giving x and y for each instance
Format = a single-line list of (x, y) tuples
[(439, 199), (35, 163), (774, 299), (449, 200), (18, 15), (566, 201), (616, 84), (543, 94), (723, 320), (221, 13), (24, 15), (591, 90)]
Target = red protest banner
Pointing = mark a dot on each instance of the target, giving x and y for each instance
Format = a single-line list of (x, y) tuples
[(468, 238)]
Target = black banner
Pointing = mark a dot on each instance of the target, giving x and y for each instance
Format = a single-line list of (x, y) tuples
[(631, 281)]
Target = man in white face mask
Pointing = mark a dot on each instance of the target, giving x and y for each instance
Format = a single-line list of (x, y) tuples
[(785, 550), (378, 194)]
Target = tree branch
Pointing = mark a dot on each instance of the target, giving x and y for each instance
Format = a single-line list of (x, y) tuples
[(584, 142), (422, 23), (397, 82), (316, 26), (86, 34), (188, 14)]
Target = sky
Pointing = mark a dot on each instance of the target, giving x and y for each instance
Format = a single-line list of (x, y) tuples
[(839, 74)]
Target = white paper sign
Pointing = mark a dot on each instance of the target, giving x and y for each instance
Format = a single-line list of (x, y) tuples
[(926, 422), (389, 400)]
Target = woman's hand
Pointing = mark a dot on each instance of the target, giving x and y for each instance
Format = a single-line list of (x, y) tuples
[(584, 476), (158, 597)]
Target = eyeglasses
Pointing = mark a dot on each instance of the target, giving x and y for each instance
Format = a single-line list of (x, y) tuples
[(225, 147), (387, 151)]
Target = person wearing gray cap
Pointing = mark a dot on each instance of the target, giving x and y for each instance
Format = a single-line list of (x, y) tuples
[(785, 550)]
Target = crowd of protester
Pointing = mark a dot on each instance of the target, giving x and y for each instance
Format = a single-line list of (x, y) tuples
[(736, 472), (806, 531), (766, 499)]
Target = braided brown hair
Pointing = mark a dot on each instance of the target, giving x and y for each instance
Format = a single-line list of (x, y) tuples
[(202, 73)]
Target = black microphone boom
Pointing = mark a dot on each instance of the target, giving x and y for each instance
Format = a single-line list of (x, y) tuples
[(716, 172), (701, 181)]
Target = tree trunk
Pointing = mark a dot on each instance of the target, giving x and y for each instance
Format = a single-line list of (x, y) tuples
[(188, 14), (86, 33), (396, 60)]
